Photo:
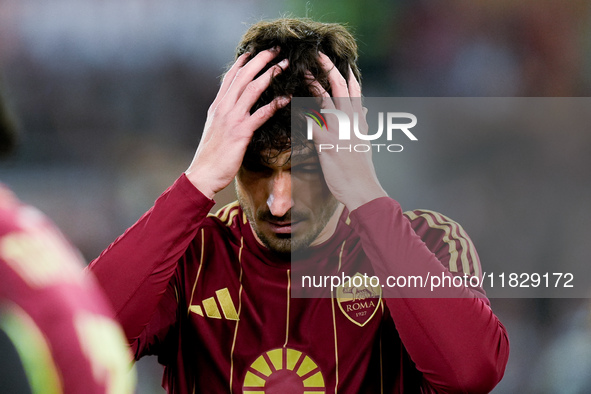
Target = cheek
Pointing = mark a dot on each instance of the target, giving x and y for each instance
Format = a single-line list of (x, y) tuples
[(310, 193), (253, 191)]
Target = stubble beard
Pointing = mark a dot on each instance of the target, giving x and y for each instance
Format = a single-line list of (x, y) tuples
[(287, 244)]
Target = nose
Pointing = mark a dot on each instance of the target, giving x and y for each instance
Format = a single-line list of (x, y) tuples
[(280, 200)]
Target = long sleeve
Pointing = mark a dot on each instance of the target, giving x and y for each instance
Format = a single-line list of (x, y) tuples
[(136, 269), (450, 333)]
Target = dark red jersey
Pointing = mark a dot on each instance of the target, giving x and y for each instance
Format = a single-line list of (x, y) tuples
[(54, 315), (220, 310)]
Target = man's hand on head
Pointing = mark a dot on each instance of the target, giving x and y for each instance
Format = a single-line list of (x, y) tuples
[(230, 126), (350, 175)]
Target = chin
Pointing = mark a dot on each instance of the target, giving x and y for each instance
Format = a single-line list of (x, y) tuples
[(286, 245), (277, 245)]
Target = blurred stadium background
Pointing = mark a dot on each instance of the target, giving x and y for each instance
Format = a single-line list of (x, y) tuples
[(111, 98)]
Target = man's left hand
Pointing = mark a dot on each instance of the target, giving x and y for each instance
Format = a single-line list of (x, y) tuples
[(350, 175)]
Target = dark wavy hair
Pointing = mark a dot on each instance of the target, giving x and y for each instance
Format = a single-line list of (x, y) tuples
[(300, 41)]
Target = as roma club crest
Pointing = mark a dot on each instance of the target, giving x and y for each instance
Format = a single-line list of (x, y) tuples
[(358, 299)]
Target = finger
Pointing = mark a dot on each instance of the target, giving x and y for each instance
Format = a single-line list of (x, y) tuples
[(254, 89), (338, 84), (321, 136), (318, 91), (355, 92), (263, 114), (247, 73), (231, 74), (327, 102), (229, 77), (353, 84)]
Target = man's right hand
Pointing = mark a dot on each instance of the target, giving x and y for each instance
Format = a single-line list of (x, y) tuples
[(230, 126)]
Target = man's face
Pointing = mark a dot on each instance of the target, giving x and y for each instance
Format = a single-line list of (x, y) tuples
[(286, 201)]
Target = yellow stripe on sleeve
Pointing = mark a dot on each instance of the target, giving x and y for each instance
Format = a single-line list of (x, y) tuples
[(453, 253), (453, 232)]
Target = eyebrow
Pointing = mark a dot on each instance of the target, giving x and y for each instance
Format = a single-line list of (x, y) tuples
[(300, 157)]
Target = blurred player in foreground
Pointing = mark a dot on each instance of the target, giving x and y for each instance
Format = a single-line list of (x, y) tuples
[(56, 329), (212, 295)]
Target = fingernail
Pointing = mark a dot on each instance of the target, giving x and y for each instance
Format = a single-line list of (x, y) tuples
[(275, 49), (283, 63), (283, 100)]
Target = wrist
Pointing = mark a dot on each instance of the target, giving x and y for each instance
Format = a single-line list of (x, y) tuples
[(201, 184), (355, 200)]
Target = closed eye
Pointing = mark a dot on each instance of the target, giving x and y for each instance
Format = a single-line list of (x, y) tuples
[(257, 168), (307, 168)]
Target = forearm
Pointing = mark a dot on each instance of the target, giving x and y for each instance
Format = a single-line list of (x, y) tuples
[(450, 333), (135, 270), (457, 344), (137, 267)]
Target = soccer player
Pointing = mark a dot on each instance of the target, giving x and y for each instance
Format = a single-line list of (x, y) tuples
[(57, 334), (212, 295)]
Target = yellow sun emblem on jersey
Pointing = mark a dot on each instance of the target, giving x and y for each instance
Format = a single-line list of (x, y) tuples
[(283, 371)]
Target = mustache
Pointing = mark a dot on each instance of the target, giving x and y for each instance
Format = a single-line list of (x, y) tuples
[(290, 216)]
